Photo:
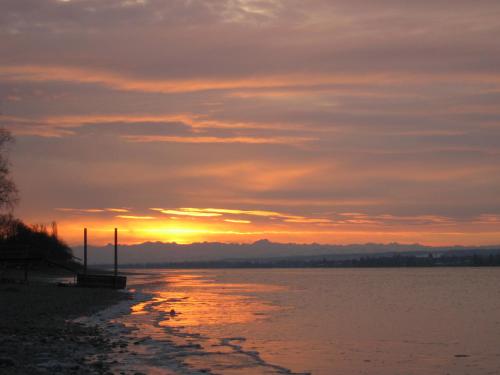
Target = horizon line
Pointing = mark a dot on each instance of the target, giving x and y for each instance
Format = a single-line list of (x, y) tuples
[(264, 240)]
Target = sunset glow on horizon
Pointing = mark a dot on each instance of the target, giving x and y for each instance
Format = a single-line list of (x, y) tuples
[(188, 225), (238, 120)]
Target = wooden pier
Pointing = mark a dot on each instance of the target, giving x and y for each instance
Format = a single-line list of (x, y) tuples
[(100, 280)]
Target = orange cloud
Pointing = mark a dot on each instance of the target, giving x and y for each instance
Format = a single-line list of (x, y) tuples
[(306, 220), (191, 119), (61, 126), (259, 175), (262, 213), (187, 213), (237, 221), (135, 217), (250, 140), (232, 211), (39, 73), (36, 73), (488, 219)]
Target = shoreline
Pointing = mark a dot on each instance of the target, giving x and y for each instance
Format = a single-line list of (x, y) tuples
[(46, 329)]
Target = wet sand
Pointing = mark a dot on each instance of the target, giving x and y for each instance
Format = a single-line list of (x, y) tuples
[(38, 336)]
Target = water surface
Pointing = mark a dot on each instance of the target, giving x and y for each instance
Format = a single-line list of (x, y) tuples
[(319, 321)]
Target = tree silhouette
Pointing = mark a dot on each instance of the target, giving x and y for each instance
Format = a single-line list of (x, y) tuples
[(15, 236), (8, 190)]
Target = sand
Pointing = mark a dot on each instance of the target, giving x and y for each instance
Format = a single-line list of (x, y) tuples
[(38, 334)]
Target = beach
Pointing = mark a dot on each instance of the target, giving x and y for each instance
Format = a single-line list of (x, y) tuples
[(38, 334), (240, 322)]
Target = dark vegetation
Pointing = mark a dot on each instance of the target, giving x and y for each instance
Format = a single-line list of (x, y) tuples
[(30, 245), (21, 243)]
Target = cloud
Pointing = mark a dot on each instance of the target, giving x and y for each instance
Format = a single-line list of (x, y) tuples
[(135, 217), (304, 220), (123, 210), (258, 213), (188, 213), (93, 210), (81, 210), (299, 112), (296, 80), (250, 140), (237, 221)]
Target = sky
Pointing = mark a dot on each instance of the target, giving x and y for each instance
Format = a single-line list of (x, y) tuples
[(235, 120)]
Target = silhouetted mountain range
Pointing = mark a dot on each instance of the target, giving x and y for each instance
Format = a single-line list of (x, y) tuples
[(150, 253)]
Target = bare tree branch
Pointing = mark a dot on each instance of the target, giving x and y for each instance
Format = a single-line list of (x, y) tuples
[(8, 191)]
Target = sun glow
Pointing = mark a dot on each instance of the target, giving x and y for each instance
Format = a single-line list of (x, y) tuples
[(189, 224)]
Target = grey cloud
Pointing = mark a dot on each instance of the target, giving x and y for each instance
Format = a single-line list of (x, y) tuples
[(139, 128), (421, 140), (193, 39)]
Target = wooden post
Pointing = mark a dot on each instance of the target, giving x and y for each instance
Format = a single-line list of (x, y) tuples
[(116, 251), (85, 251)]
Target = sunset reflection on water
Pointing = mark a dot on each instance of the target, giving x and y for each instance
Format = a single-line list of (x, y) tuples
[(188, 300), (320, 321)]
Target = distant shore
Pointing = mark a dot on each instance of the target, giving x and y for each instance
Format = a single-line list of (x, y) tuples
[(391, 260), (38, 334)]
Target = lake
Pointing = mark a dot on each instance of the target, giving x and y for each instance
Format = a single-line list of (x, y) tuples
[(319, 321)]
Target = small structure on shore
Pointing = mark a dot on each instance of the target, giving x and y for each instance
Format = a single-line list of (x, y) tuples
[(100, 280), (21, 260), (25, 260)]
